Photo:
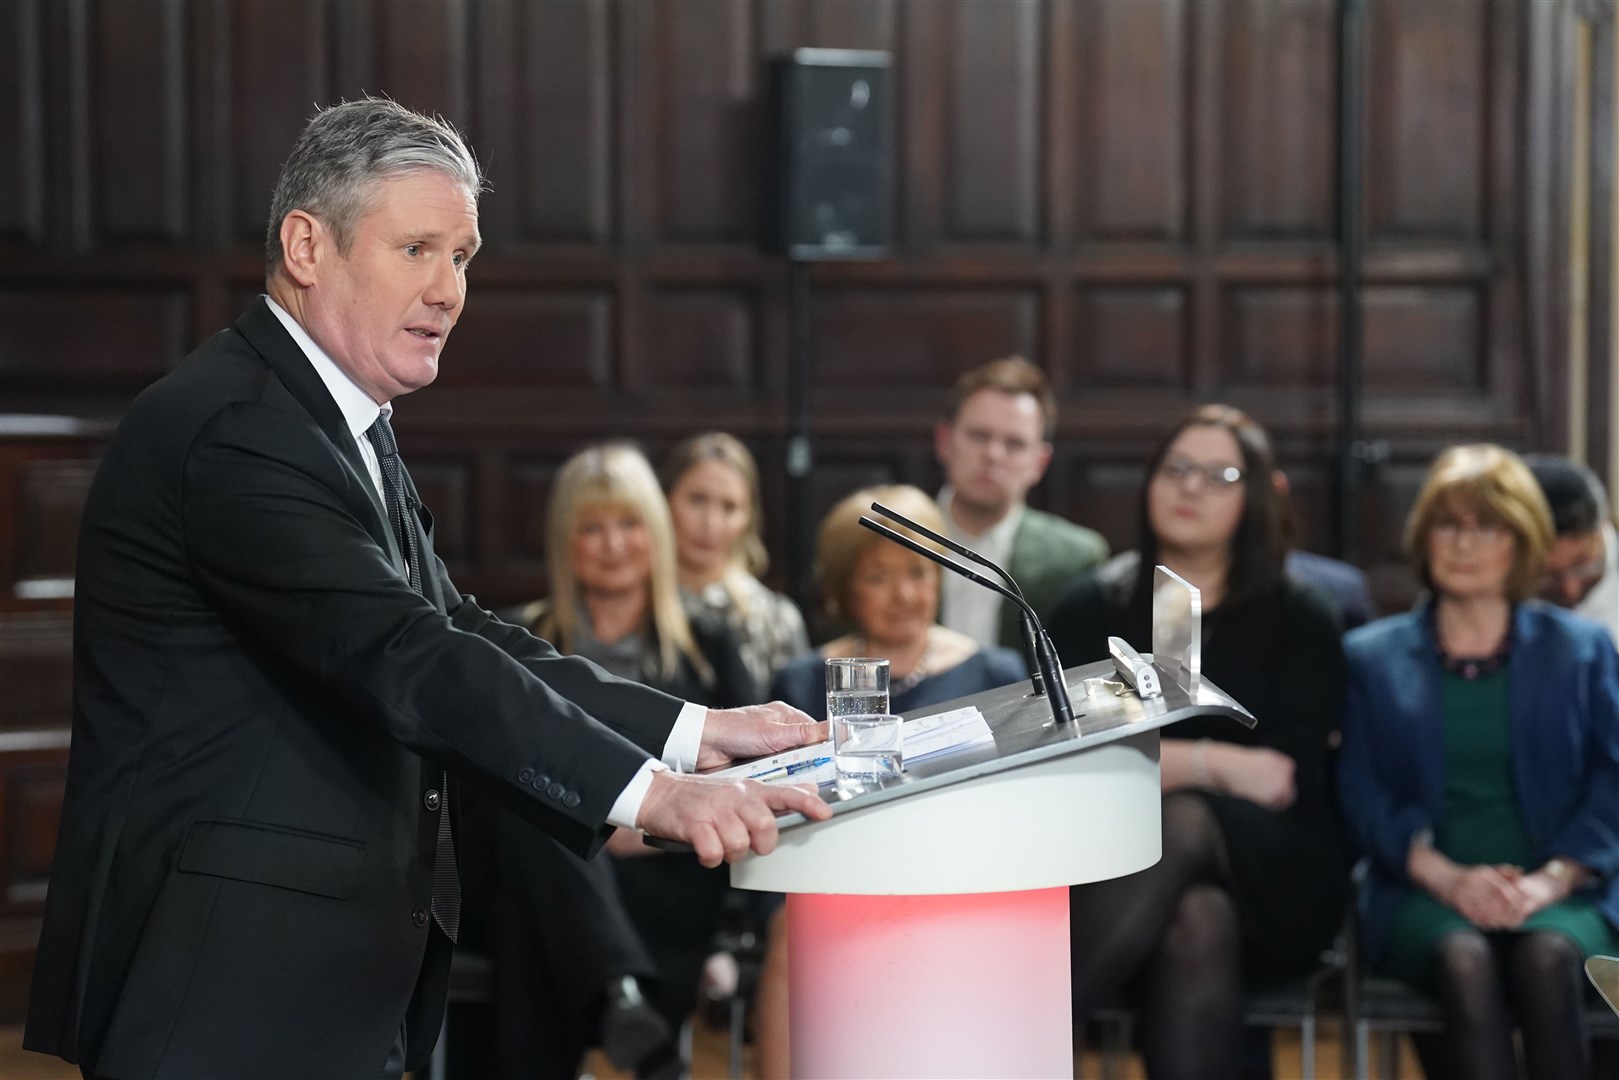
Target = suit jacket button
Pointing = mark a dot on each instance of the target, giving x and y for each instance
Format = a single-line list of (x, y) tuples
[(430, 800), (540, 781), (525, 776), (419, 916), (571, 799), (555, 791)]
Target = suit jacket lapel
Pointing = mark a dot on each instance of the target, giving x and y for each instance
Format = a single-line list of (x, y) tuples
[(265, 333)]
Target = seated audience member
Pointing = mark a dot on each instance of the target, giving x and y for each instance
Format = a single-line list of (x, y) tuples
[(994, 447), (1253, 878), (1582, 566), (560, 925), (890, 596), (1480, 773), (713, 488)]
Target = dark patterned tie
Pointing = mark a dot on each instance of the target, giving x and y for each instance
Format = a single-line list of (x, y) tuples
[(446, 881)]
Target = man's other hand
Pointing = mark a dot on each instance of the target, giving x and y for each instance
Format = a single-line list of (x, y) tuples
[(723, 820), (755, 730)]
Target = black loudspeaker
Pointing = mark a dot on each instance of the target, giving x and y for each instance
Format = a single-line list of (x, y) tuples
[(834, 167)]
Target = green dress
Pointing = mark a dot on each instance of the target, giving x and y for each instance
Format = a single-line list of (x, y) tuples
[(1481, 825)]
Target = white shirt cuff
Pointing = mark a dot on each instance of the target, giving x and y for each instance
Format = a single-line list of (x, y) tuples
[(627, 807), (679, 752), (685, 738)]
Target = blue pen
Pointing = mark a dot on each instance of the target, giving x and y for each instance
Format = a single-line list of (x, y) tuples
[(791, 770)]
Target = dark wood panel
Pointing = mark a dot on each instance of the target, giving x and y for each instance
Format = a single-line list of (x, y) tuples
[(22, 123), (707, 336), (280, 68), (1427, 119), (1281, 82), (532, 338), (50, 501), (1417, 338), (1100, 495), (1130, 336), (415, 51), (36, 668), (446, 486), (994, 156), (141, 174), (33, 806), (547, 122), (90, 338), (838, 24), (702, 95), (878, 345), (1132, 174), (530, 489)]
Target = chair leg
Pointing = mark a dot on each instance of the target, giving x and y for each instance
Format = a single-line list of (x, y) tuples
[(1363, 1049), (739, 1024), (1307, 1047)]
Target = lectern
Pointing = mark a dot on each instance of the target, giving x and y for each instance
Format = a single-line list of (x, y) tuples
[(928, 917)]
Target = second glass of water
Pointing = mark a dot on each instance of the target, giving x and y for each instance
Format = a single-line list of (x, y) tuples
[(856, 686)]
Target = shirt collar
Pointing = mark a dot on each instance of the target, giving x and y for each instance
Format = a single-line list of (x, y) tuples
[(358, 409), (997, 536)]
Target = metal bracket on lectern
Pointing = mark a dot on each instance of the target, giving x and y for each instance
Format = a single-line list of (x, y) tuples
[(1134, 668)]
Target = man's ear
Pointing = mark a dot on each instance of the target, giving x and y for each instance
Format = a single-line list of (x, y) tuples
[(1279, 482), (1046, 451), (942, 432), (303, 243)]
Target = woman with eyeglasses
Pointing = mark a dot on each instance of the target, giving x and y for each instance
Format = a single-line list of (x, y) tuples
[(1480, 775), (1253, 878)]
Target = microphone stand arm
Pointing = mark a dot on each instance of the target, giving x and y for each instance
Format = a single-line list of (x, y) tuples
[(1062, 711)]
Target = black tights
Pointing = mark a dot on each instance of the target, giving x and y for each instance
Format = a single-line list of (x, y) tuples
[(1170, 937), (1485, 983)]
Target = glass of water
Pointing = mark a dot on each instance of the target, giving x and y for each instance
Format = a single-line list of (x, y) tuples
[(867, 747), (856, 686)]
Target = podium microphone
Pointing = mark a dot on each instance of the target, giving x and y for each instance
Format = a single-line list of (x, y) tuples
[(1046, 667)]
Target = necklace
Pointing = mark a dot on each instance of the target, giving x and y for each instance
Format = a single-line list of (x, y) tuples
[(896, 687)]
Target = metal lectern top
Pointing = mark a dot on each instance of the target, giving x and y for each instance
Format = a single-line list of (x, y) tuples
[(1105, 708)]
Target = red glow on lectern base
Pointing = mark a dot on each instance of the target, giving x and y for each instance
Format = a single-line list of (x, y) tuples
[(930, 986)]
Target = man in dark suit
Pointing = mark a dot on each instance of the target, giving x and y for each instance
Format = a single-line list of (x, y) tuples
[(255, 873)]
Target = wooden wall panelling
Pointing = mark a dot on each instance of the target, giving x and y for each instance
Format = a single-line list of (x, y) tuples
[(281, 64), (1130, 336), (707, 123), (86, 338), (22, 124), (415, 51), (1133, 154), (547, 123), (994, 166), (31, 789), (36, 668), (1279, 156)]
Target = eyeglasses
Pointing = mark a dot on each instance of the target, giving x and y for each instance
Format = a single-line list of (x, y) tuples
[(1486, 531), (1585, 573), (1179, 471)]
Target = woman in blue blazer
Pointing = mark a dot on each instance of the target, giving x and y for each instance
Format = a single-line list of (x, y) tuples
[(1480, 774)]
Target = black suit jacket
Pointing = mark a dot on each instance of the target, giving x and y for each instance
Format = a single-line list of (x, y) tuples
[(262, 706)]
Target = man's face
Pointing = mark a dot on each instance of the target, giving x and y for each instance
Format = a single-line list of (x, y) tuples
[(383, 311), (994, 451), (1573, 567)]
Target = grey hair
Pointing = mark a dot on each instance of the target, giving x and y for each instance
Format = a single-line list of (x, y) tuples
[(342, 154)]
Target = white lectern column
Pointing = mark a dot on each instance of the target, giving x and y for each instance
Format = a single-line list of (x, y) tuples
[(928, 934)]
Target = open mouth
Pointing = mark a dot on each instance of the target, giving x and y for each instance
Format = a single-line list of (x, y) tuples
[(424, 333)]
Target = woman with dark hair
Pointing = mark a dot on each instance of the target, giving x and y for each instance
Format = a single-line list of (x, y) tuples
[(1480, 774), (1253, 877)]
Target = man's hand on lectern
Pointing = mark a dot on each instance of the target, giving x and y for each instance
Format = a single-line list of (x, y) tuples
[(754, 731), (723, 820)]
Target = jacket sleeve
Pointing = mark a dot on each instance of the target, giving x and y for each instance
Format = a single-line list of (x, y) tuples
[(1379, 822), (276, 538), (1591, 834), (636, 711)]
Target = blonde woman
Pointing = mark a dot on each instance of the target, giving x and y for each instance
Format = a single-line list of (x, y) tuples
[(1480, 775), (713, 488), (634, 930)]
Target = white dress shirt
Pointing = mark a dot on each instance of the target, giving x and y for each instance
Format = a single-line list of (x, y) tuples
[(964, 606), (359, 413)]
